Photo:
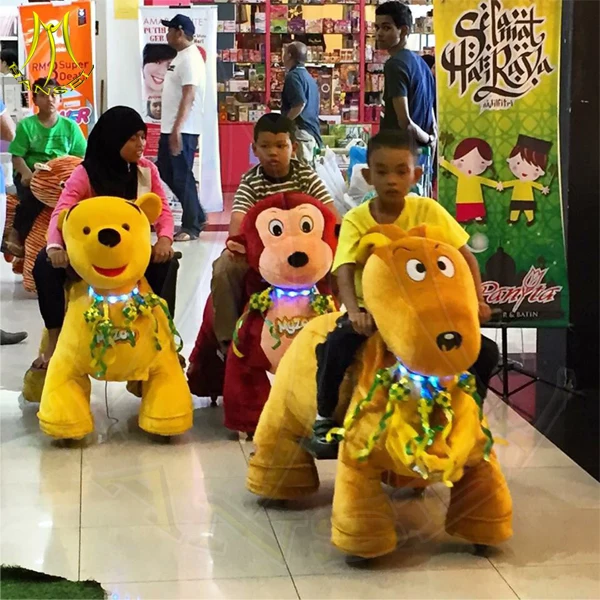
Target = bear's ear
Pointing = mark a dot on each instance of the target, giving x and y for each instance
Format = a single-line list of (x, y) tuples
[(151, 205), (236, 244), (61, 218)]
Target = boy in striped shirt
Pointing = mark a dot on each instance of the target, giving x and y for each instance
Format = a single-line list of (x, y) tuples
[(274, 146)]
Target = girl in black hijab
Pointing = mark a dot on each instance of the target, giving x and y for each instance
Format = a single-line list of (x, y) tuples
[(113, 166), (110, 173)]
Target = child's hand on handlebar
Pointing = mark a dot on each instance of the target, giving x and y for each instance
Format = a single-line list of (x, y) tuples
[(59, 258), (363, 323), (485, 312)]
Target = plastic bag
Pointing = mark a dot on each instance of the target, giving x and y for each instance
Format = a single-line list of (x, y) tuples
[(327, 169)]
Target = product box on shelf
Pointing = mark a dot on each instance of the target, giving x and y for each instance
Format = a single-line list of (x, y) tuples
[(328, 25), (257, 78), (279, 18), (260, 22), (314, 26), (343, 26), (296, 25)]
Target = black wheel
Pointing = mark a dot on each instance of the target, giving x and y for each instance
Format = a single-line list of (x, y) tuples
[(481, 549), (213, 400)]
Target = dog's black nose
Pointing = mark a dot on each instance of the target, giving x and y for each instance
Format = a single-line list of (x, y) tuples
[(449, 340), (298, 259), (109, 237)]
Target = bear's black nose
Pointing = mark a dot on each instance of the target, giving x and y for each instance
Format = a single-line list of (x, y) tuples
[(298, 259), (109, 237), (449, 340)]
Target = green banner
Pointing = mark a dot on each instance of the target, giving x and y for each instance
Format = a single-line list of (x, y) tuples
[(498, 78)]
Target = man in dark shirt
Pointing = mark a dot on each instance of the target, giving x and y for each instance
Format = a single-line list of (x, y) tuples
[(300, 101), (409, 93)]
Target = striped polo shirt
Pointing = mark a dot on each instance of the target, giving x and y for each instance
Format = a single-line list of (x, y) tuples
[(256, 185)]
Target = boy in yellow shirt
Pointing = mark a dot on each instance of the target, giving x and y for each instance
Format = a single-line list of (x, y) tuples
[(392, 171)]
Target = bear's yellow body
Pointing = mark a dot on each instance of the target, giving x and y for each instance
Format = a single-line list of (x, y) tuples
[(108, 241), (410, 315)]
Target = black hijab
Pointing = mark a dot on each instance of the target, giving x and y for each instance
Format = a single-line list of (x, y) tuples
[(109, 174)]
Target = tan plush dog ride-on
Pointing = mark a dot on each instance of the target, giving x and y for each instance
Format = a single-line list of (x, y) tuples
[(115, 328), (412, 415)]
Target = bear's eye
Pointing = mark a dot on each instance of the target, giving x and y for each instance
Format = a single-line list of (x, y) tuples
[(446, 266), (86, 231), (276, 228), (125, 226), (306, 224), (416, 269)]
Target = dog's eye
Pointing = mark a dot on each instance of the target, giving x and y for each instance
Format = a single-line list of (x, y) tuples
[(125, 226), (276, 228), (306, 224), (86, 231), (446, 266), (416, 269)]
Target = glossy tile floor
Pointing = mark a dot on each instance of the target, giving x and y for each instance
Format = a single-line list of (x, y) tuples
[(150, 520)]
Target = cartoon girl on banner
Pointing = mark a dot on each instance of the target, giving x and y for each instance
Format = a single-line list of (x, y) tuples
[(472, 157), (528, 162)]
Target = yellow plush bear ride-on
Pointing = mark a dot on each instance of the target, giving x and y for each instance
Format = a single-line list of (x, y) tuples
[(115, 328), (410, 411)]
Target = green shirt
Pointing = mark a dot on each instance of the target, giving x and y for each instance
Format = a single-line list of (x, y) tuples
[(35, 143)]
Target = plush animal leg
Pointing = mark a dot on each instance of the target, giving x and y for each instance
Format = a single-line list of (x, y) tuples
[(480, 505), (363, 519), (280, 469), (166, 400), (33, 382), (65, 407)]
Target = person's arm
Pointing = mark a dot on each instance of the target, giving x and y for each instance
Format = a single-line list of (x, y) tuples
[(294, 95), (164, 225), (162, 251), (509, 184), (485, 312), (79, 144), (76, 188), (489, 182), (407, 124), (22, 169), (397, 83), (243, 201), (7, 127), (19, 148)]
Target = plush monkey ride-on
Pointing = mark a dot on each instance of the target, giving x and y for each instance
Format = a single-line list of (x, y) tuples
[(115, 328), (288, 241), (411, 415)]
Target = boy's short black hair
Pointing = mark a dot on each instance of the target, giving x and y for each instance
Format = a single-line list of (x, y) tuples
[(398, 11), (275, 123), (9, 57), (399, 140), (40, 84)]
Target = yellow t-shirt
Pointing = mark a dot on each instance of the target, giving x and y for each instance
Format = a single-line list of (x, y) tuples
[(523, 190), (417, 211)]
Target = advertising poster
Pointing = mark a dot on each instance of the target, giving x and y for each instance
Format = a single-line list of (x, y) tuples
[(59, 43), (498, 67), (156, 58)]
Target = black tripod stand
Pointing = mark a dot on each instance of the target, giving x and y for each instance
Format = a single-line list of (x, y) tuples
[(507, 366)]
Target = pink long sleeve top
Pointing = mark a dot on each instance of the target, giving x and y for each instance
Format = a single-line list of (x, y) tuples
[(78, 188)]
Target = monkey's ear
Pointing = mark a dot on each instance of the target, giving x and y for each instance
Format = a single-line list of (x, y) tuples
[(236, 244)]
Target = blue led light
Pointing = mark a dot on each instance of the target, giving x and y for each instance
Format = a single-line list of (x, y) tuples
[(280, 293), (112, 299)]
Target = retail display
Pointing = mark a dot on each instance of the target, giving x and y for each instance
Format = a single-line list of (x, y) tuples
[(415, 417)]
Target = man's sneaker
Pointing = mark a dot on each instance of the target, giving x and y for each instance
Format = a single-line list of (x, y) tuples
[(317, 445)]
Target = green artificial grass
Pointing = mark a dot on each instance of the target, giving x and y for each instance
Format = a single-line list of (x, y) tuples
[(17, 583)]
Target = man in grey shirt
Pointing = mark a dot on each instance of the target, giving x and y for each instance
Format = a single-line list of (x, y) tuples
[(300, 101)]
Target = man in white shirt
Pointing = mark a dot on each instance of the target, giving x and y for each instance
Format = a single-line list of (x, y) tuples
[(181, 123)]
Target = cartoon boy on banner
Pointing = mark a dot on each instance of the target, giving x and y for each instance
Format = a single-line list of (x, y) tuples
[(472, 158), (528, 162)]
